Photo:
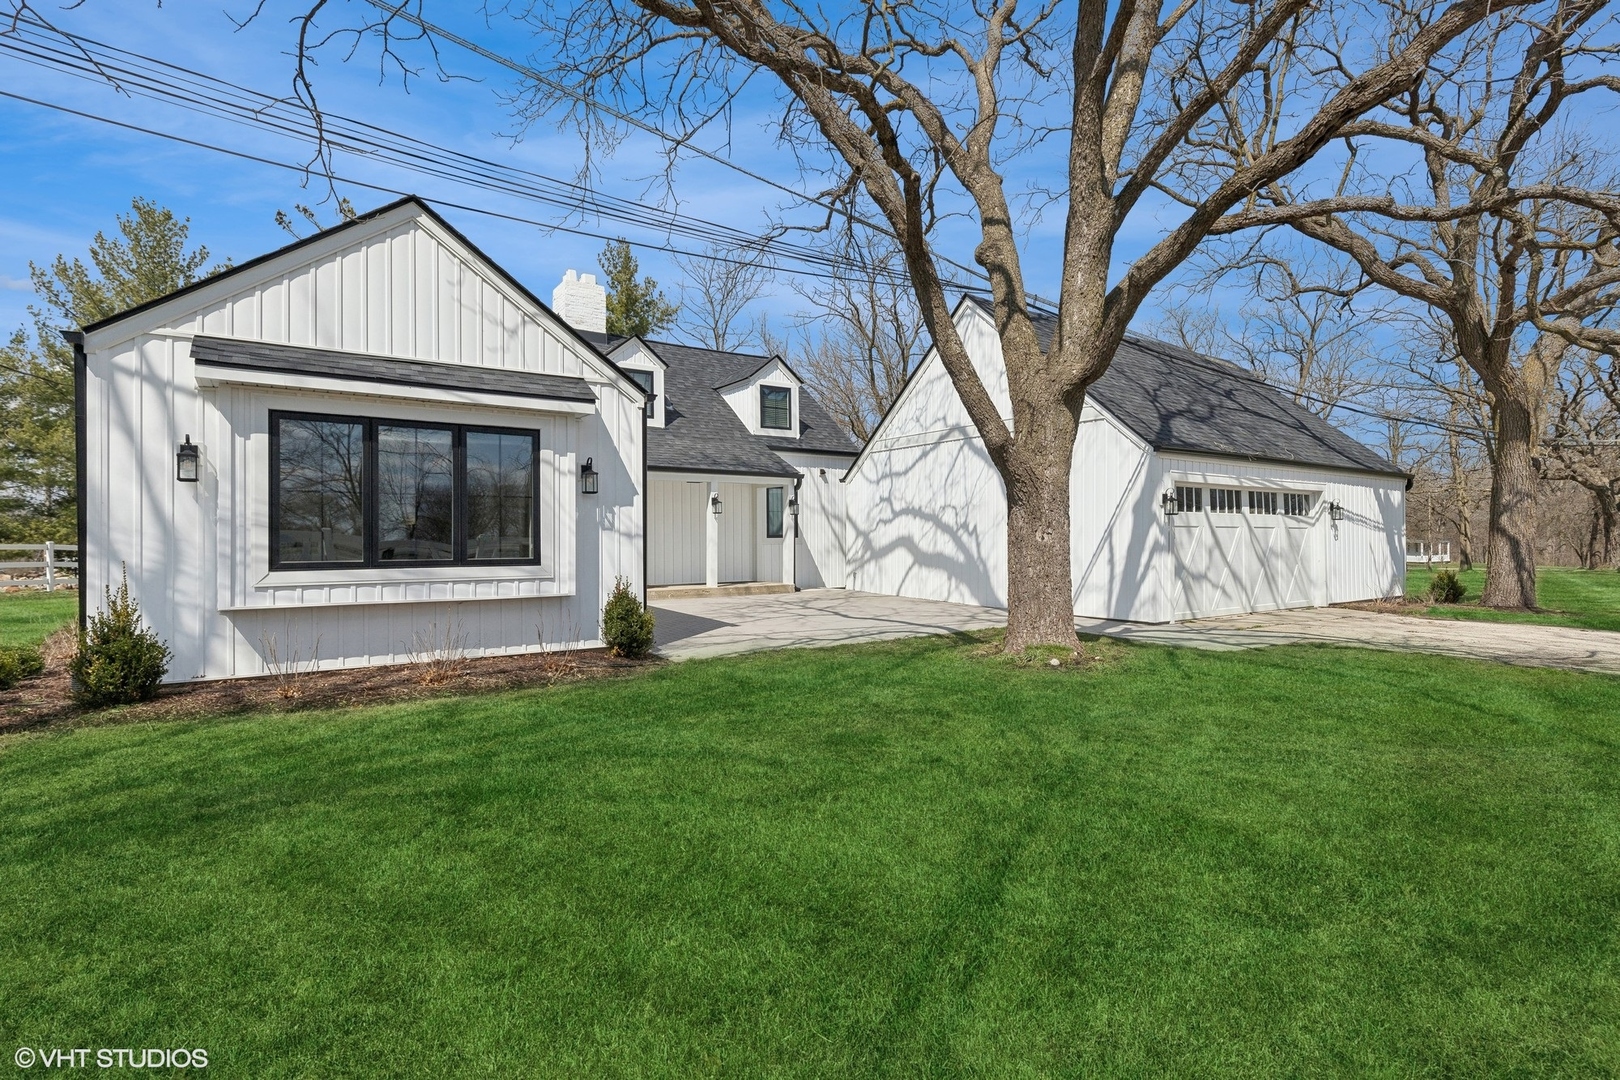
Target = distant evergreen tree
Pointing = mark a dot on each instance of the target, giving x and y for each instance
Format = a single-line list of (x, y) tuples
[(633, 307), (147, 259)]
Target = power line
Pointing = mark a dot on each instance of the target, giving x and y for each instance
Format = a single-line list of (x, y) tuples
[(367, 140), (394, 11), (368, 185)]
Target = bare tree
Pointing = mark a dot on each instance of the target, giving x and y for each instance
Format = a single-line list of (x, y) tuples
[(918, 109), (1301, 330), (717, 292), (1583, 446), (1304, 335), (865, 335), (1497, 173)]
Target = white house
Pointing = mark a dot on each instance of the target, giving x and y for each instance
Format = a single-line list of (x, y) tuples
[(1197, 490), (355, 449), (743, 462)]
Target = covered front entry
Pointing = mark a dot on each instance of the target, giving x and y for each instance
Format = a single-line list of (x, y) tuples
[(1236, 553), (689, 543)]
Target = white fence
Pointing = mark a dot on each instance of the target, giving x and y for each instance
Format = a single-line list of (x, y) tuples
[(1427, 554), (45, 570)]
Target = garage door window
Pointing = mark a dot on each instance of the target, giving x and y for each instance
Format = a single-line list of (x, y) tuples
[(1296, 505), (1225, 500), (1262, 502), (1189, 499)]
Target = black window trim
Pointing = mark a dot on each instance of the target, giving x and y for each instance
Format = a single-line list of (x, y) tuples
[(368, 493), (765, 388), (652, 381), (781, 512)]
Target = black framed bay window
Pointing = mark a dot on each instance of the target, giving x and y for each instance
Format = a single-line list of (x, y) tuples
[(359, 492)]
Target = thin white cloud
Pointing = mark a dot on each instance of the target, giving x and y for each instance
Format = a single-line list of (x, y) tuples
[(11, 284)]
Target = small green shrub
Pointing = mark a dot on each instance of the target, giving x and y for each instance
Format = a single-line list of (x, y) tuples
[(627, 626), (119, 661), (18, 662), (1447, 588)]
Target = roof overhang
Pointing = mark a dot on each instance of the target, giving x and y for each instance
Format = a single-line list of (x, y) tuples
[(227, 361), (730, 476)]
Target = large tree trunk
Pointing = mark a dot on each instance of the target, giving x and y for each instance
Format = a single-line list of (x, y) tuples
[(1036, 469), (1510, 577)]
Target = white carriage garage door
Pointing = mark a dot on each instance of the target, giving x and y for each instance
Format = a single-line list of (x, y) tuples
[(1240, 550)]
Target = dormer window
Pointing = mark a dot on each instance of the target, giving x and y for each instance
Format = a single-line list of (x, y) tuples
[(776, 408), (644, 379)]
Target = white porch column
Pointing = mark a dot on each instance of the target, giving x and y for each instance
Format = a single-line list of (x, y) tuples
[(711, 553)]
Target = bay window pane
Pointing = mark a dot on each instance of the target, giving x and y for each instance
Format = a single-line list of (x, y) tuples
[(500, 495), (415, 494), (318, 488)]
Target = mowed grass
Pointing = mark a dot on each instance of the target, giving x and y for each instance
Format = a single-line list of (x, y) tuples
[(1589, 599), (30, 616), (890, 860)]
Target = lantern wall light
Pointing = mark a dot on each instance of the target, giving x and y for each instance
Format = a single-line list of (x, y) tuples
[(714, 504), (589, 482), (1168, 502), (1335, 511), (188, 462)]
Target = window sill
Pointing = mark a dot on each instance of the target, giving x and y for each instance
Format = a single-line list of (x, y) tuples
[(404, 575)]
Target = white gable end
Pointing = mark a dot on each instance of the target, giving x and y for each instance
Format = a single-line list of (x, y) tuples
[(744, 398), (400, 285)]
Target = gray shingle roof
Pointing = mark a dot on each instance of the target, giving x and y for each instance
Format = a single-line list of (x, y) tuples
[(1174, 399), (265, 356), (702, 434)]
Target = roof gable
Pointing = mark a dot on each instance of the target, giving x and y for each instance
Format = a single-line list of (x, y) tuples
[(399, 281), (702, 433)]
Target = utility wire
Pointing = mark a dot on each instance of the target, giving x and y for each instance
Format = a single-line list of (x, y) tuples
[(373, 142), (525, 71), (366, 184)]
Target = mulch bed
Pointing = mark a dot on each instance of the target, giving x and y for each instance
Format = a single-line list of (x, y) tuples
[(46, 701)]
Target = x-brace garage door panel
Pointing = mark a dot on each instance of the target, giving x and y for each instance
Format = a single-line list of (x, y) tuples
[(1229, 564)]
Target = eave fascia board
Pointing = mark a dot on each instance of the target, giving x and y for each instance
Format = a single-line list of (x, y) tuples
[(221, 375)]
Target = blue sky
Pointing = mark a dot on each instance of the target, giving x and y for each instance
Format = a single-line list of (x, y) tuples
[(64, 177)]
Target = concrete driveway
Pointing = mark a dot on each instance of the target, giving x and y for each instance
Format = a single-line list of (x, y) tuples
[(1508, 643), (717, 626), (723, 625)]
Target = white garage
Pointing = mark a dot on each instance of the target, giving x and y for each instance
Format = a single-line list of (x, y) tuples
[(1197, 490)]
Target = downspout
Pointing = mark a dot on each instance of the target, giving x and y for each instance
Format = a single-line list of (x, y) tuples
[(646, 507), (799, 507), (80, 454)]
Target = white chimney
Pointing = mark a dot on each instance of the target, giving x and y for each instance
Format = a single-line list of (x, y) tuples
[(581, 302)]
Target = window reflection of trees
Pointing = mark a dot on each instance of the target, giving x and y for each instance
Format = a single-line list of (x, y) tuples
[(322, 511), (415, 494), (500, 495)]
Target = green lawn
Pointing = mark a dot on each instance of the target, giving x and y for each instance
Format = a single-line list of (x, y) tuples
[(1584, 598), (890, 860), (28, 617)]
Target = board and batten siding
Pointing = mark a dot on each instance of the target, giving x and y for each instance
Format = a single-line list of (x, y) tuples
[(927, 511), (197, 555), (1362, 557), (820, 556), (675, 527)]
